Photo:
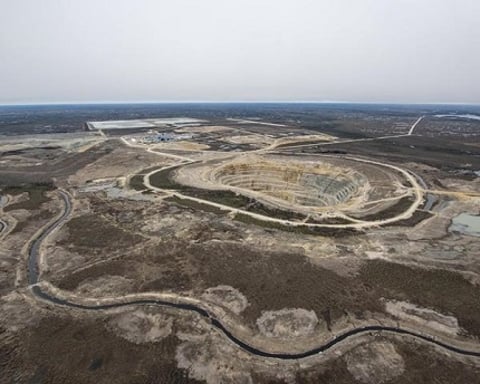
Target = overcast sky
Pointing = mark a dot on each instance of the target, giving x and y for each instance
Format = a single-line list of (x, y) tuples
[(231, 50)]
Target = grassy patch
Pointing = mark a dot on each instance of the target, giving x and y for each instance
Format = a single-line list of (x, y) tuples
[(36, 196), (227, 198), (21, 225), (304, 229), (447, 291), (78, 351), (109, 268), (160, 177), (163, 179), (136, 183), (423, 365), (92, 231), (194, 205), (307, 142), (273, 281), (399, 207), (262, 209), (330, 220), (416, 218)]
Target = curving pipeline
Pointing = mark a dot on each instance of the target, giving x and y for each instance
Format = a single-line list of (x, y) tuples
[(37, 291)]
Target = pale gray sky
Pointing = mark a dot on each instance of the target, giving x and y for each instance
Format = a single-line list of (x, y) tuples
[(250, 50)]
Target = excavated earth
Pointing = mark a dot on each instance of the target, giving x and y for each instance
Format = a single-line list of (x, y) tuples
[(284, 291), (301, 184)]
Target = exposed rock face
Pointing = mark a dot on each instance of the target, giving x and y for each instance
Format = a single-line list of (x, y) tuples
[(299, 183)]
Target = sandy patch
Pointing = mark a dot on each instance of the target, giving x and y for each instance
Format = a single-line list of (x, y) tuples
[(303, 139), (204, 129), (141, 327), (248, 139), (183, 146), (105, 286), (427, 317), (204, 362), (74, 142), (287, 323), (460, 185), (227, 297), (17, 312), (121, 162)]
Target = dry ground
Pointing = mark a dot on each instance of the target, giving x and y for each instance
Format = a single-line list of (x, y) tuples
[(119, 244)]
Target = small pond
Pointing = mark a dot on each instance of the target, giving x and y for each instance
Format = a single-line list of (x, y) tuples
[(466, 224)]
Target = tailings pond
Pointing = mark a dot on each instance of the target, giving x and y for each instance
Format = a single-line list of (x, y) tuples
[(466, 224)]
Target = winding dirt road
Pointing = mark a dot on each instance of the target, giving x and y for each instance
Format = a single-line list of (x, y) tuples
[(3, 224)]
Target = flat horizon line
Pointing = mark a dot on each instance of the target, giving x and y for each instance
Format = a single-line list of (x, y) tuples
[(73, 103)]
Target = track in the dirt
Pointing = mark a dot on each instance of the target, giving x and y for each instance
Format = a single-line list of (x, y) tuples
[(3, 224), (37, 291)]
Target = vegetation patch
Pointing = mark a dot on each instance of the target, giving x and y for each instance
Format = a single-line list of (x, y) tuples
[(304, 229), (36, 196), (399, 207), (447, 291), (163, 179), (136, 183), (274, 281), (94, 232), (195, 205), (66, 350), (415, 219), (34, 219)]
